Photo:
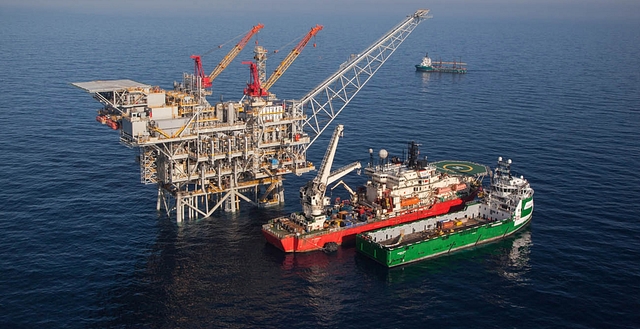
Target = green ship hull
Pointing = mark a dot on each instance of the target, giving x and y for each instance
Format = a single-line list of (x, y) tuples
[(426, 239), (423, 68)]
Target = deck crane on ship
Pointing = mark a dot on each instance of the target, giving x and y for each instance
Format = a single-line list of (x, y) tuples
[(205, 157), (312, 195), (352, 194)]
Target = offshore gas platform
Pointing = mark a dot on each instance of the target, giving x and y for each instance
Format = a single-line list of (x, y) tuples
[(205, 157)]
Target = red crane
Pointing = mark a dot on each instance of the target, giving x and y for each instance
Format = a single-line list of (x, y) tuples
[(253, 86), (206, 80), (255, 89)]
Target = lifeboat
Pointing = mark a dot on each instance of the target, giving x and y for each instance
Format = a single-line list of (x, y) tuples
[(459, 187), (112, 124), (409, 202)]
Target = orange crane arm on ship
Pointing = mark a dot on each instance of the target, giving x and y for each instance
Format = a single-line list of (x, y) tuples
[(291, 57), (207, 80)]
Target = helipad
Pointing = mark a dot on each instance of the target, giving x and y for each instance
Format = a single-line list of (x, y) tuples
[(461, 167), (100, 86)]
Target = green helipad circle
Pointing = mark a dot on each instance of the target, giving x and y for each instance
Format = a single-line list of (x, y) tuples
[(460, 167)]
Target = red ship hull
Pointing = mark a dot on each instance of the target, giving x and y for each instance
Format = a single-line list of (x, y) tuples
[(317, 241)]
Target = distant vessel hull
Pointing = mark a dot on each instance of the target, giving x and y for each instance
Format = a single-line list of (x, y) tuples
[(460, 70), (317, 241)]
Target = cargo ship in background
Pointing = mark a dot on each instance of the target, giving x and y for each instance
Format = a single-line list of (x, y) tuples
[(427, 65), (499, 211), (397, 191)]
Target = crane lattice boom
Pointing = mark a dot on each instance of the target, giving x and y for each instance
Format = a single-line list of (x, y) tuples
[(207, 80), (328, 99), (284, 65), (234, 52)]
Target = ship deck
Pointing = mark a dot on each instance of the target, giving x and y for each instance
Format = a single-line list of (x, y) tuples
[(414, 237), (461, 167)]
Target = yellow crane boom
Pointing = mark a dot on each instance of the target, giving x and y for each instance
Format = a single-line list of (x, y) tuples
[(290, 58), (206, 80), (234, 52)]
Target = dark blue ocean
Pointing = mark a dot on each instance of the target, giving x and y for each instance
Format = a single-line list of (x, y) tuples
[(81, 244)]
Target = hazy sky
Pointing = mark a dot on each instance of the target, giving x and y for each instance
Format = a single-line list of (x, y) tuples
[(484, 8)]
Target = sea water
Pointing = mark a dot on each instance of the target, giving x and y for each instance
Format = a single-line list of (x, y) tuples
[(83, 246)]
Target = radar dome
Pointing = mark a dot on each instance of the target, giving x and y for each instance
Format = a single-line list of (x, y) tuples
[(383, 154)]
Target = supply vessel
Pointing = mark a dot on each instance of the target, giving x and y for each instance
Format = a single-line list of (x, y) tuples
[(427, 65), (397, 191), (498, 212)]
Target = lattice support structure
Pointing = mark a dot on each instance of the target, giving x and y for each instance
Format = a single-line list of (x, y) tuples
[(148, 167), (325, 102)]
